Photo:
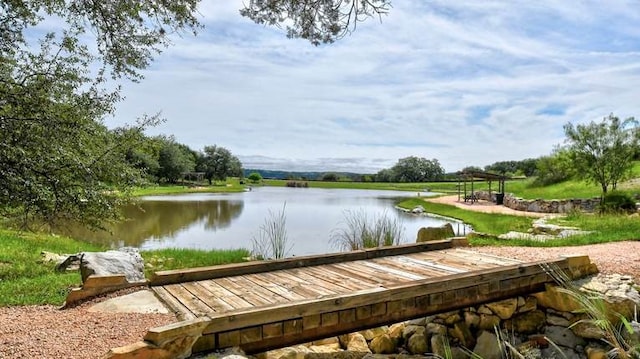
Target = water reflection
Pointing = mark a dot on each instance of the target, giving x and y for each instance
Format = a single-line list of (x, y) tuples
[(153, 219), (218, 221)]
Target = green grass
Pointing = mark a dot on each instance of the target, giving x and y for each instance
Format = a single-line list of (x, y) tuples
[(489, 223), (442, 187), (25, 280), (233, 185), (176, 258)]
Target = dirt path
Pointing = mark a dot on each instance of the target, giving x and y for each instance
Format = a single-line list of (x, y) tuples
[(483, 206)]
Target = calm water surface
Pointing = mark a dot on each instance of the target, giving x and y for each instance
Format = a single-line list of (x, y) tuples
[(219, 221)]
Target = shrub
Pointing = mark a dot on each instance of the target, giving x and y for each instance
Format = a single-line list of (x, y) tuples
[(617, 202)]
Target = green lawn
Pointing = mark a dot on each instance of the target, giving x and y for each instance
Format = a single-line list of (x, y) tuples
[(25, 280)]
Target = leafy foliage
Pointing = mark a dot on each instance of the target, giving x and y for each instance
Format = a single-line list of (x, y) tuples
[(604, 151), (554, 168), (319, 22), (254, 177), (617, 202), (57, 159), (412, 169), (218, 163)]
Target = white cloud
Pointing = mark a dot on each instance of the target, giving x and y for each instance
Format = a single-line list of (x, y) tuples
[(466, 82)]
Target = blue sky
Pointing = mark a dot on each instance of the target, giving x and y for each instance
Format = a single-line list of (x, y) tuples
[(467, 82)]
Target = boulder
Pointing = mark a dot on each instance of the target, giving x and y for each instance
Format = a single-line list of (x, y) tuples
[(504, 309), (426, 234), (526, 323), (562, 336), (417, 344), (488, 322), (357, 343), (487, 346), (382, 344), (125, 261), (461, 332)]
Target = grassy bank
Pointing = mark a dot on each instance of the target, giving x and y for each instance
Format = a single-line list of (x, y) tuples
[(233, 185), (605, 228), (26, 280)]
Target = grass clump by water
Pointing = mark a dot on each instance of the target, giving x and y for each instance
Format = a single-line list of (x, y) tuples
[(360, 232), (272, 241)]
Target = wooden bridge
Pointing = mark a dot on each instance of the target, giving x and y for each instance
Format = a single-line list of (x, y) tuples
[(264, 305)]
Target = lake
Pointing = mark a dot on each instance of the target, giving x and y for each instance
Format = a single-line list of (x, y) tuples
[(222, 221)]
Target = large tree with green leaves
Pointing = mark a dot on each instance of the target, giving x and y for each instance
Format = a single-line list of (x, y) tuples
[(603, 151), (218, 163), (57, 159), (417, 169)]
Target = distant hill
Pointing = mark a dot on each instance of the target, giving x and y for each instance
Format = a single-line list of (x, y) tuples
[(299, 175)]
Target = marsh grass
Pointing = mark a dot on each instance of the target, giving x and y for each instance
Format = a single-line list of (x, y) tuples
[(272, 241), (359, 231)]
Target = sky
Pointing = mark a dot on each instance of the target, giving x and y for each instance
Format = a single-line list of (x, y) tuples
[(466, 82)]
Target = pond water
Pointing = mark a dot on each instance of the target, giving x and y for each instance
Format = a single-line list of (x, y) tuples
[(223, 221)]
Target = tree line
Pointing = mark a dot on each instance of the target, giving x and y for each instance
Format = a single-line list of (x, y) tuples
[(162, 159)]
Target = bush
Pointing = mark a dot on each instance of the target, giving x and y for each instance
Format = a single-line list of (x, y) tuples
[(617, 202)]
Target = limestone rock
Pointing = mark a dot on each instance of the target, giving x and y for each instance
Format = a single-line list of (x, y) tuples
[(596, 353), (488, 322), (396, 333), (357, 343), (504, 309), (417, 344), (411, 330), (336, 355), (439, 345), (487, 346), (426, 234), (530, 303), (587, 330), (434, 328), (526, 323), (562, 336), (483, 309), (557, 320), (382, 344), (125, 261), (370, 334), (461, 332), (471, 319)]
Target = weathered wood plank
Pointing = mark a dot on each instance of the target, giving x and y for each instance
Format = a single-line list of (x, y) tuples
[(225, 296), (189, 299), (347, 282), (181, 312), (258, 280), (204, 273)]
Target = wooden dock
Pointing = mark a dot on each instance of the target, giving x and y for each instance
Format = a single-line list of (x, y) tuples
[(264, 305)]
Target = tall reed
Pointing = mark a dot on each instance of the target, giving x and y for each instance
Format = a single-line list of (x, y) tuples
[(359, 232), (272, 241)]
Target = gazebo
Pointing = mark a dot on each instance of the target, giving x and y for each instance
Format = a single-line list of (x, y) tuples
[(471, 176)]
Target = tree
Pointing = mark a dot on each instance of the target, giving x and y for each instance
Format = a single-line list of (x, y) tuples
[(554, 168), (254, 177), (57, 160), (219, 163), (417, 169), (174, 160), (319, 22), (603, 151)]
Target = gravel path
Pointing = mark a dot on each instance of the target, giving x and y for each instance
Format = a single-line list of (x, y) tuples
[(47, 332)]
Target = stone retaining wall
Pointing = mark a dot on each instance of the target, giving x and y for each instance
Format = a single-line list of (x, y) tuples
[(588, 205), (544, 325)]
